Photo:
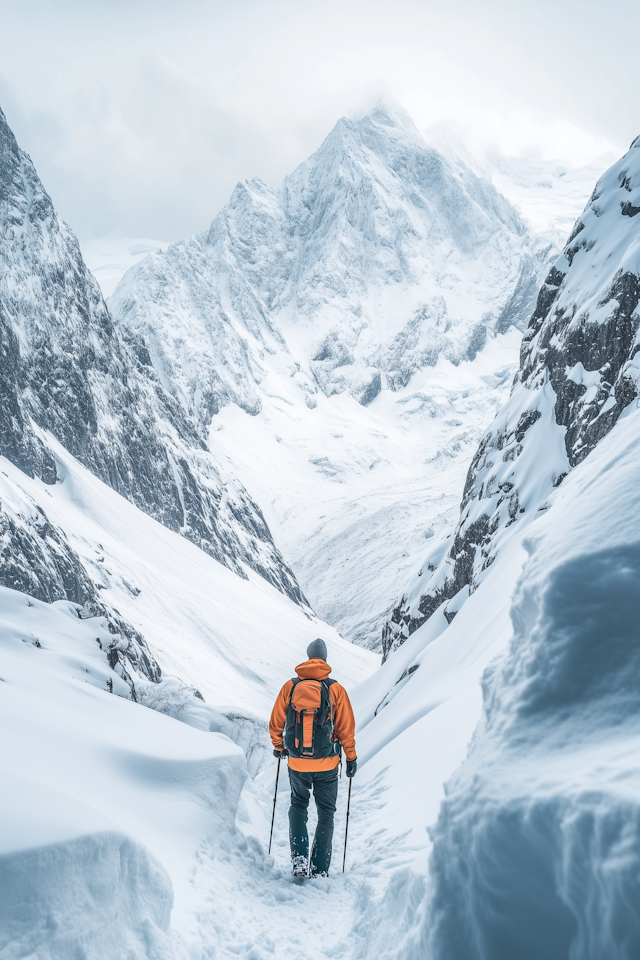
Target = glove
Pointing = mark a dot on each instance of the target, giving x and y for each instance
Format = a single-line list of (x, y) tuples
[(280, 753), (352, 766)]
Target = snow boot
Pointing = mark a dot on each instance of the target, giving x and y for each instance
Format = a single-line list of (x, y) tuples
[(299, 867)]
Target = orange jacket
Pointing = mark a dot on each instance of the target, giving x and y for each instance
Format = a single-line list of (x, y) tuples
[(344, 724)]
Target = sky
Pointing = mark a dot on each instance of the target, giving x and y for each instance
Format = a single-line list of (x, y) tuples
[(141, 115)]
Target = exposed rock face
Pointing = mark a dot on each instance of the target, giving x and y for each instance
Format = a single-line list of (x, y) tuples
[(37, 559), (579, 370), (374, 258), (64, 368), (35, 555)]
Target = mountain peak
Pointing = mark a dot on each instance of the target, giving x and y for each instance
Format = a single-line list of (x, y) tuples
[(386, 115), (375, 257), (385, 130)]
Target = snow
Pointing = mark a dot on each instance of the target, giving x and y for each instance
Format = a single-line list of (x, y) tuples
[(550, 196), (99, 894)]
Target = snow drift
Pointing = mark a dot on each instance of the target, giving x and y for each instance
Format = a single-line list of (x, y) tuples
[(100, 893), (104, 802)]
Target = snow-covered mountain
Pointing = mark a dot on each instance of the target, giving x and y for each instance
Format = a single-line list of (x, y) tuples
[(66, 370), (376, 256), (578, 372), (311, 307)]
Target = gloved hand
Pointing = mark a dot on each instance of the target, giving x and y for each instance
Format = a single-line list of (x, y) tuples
[(352, 766), (280, 753)]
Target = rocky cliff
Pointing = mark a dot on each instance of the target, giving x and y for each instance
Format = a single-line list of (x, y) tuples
[(66, 370), (579, 371)]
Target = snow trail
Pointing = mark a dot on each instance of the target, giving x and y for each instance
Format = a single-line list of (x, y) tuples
[(248, 904)]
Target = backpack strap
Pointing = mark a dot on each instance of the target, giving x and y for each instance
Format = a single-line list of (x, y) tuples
[(294, 682), (326, 686)]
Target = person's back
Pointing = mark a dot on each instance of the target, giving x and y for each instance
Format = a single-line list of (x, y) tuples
[(311, 722)]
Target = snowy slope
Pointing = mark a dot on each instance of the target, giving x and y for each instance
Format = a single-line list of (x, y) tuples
[(104, 803), (577, 374), (549, 195), (548, 800), (352, 493), (233, 639), (65, 368)]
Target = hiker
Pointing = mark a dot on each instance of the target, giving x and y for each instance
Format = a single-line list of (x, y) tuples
[(311, 721)]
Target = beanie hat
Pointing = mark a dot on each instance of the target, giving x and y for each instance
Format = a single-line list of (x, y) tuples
[(317, 650)]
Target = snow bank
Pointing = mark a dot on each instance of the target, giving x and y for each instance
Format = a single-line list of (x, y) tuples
[(104, 803), (98, 896), (537, 848)]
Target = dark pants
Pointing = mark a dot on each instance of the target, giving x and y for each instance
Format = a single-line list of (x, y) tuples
[(325, 792)]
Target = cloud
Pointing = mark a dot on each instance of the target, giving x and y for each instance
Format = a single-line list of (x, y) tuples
[(141, 116)]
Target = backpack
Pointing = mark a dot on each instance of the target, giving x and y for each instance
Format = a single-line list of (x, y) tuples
[(308, 729)]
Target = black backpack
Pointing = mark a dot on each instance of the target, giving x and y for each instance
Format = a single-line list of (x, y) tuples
[(308, 729)]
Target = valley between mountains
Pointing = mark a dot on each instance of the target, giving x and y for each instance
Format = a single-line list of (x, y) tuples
[(391, 402)]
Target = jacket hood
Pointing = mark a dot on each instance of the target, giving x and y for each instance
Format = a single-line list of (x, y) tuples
[(313, 670)]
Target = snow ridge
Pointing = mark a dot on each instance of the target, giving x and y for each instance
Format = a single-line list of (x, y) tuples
[(579, 371)]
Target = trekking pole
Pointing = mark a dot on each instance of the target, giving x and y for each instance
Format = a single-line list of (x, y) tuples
[(274, 803), (346, 830)]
